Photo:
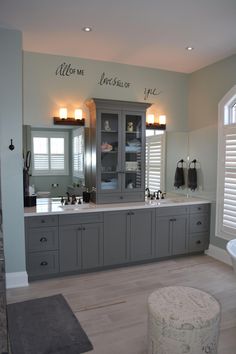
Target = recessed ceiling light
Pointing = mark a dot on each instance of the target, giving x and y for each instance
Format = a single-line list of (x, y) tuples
[(87, 29), (189, 47)]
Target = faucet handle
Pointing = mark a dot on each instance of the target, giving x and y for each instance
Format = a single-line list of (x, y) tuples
[(163, 195)]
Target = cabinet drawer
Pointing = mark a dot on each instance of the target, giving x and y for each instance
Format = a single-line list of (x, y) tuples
[(41, 263), (42, 239), (38, 221), (198, 242), (175, 210), (199, 208), (119, 198), (199, 223), (80, 218)]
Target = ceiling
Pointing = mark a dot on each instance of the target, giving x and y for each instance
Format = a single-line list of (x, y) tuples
[(151, 33)]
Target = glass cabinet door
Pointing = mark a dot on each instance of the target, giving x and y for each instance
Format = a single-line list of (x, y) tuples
[(133, 152), (109, 172)]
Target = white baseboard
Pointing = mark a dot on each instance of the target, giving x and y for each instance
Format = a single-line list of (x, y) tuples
[(16, 280), (219, 254)]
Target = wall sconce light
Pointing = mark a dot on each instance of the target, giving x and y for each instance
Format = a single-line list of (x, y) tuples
[(63, 119), (151, 124)]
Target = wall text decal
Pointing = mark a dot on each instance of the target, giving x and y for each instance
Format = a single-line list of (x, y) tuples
[(65, 69), (151, 92), (113, 81)]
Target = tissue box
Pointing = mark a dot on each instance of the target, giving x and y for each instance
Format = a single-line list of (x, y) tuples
[(29, 200)]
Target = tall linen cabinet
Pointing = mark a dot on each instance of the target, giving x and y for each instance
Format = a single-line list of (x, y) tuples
[(117, 156)]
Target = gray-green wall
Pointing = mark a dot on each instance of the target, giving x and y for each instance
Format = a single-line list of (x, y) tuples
[(11, 161)]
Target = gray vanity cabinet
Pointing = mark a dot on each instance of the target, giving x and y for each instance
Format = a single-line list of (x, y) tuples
[(199, 227), (142, 228), (41, 245), (171, 231), (80, 241), (128, 236), (116, 238), (117, 150)]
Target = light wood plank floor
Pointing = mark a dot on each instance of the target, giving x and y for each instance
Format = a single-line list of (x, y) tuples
[(112, 305)]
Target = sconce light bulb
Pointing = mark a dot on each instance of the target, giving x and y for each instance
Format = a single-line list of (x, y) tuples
[(78, 114), (150, 119), (162, 119), (63, 113)]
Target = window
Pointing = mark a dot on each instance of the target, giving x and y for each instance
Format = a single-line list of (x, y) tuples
[(78, 153), (155, 160), (50, 153), (226, 176)]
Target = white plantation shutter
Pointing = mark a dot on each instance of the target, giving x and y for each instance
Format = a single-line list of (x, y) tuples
[(229, 205), (155, 162), (78, 153), (226, 173), (50, 153)]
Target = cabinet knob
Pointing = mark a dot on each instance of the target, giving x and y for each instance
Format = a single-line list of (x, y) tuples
[(199, 208), (198, 242), (43, 239), (44, 263), (199, 223), (173, 219), (42, 221), (121, 197), (83, 228)]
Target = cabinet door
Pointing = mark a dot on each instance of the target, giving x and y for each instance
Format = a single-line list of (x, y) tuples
[(163, 236), (70, 248), (179, 234), (142, 234), (133, 153), (116, 241), (92, 245), (109, 151)]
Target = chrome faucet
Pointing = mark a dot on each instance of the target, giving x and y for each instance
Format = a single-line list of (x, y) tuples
[(158, 194), (148, 194)]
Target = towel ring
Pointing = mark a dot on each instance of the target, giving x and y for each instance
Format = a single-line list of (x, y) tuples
[(181, 162), (194, 162)]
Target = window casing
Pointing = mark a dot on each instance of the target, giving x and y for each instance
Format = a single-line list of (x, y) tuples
[(50, 155), (226, 167), (155, 161)]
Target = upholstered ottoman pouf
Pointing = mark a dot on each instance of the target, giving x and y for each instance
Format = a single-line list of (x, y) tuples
[(182, 320)]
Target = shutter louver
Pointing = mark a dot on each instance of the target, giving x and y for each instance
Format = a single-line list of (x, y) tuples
[(229, 208)]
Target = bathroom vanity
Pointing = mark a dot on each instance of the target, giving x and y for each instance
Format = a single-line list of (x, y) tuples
[(77, 239)]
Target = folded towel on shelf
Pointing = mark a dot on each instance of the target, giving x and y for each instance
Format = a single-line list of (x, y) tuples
[(179, 177), (192, 178)]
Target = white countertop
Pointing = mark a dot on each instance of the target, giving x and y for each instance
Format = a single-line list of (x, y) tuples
[(52, 206)]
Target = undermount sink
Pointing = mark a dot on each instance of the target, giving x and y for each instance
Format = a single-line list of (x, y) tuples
[(75, 206)]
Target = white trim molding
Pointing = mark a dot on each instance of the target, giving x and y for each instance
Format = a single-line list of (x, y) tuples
[(219, 253), (16, 280)]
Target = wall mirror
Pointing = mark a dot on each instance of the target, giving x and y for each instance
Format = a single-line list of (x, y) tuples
[(175, 148)]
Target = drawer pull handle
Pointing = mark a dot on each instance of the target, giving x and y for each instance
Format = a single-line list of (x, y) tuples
[(43, 239), (43, 221), (83, 228), (199, 223), (172, 219), (198, 242), (44, 263)]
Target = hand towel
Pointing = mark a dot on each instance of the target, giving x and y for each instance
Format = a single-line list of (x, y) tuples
[(179, 177), (192, 178)]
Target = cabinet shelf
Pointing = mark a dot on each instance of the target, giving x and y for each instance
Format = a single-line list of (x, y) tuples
[(109, 131)]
